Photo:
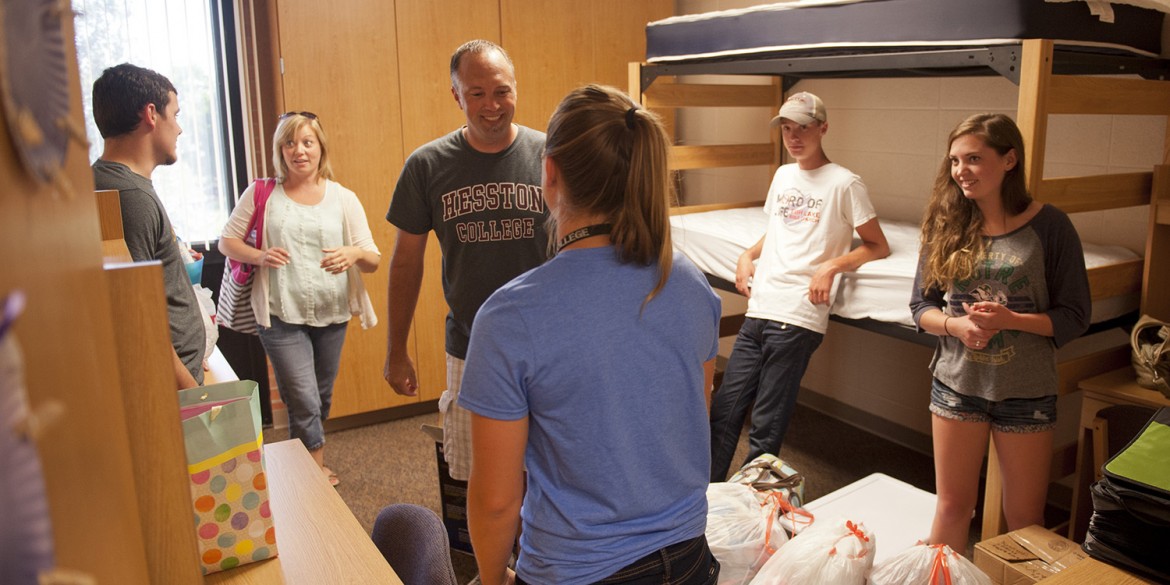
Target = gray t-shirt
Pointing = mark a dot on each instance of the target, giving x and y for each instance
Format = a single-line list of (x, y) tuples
[(487, 211), (149, 236), (1039, 268)]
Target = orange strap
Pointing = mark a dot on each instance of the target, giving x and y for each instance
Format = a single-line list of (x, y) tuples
[(940, 566), (777, 500), (774, 498), (853, 531)]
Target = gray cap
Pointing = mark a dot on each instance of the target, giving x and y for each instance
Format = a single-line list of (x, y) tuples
[(802, 108)]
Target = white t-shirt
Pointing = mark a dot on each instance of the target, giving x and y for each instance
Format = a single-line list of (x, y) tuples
[(811, 218)]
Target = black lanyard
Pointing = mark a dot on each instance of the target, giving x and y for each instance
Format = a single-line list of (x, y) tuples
[(585, 232)]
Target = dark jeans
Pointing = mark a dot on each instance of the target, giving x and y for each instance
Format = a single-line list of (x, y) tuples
[(766, 364), (689, 562)]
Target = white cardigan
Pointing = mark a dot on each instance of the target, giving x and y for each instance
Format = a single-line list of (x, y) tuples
[(355, 231)]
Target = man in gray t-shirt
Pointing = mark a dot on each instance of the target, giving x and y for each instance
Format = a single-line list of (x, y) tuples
[(135, 110), (479, 189)]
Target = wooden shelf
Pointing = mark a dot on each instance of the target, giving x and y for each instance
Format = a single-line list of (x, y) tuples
[(1120, 386)]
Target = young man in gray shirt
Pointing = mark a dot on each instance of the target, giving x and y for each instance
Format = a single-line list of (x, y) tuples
[(136, 112)]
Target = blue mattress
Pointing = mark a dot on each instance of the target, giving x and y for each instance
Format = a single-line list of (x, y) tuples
[(868, 25)]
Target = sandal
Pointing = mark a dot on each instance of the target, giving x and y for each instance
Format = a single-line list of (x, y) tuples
[(331, 476)]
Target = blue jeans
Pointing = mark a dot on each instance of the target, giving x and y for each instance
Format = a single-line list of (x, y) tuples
[(766, 364), (305, 360), (689, 562)]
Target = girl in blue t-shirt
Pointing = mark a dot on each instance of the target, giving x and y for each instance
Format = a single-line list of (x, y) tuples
[(592, 371)]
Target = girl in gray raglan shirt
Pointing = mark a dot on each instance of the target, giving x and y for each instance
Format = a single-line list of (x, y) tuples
[(1001, 280)]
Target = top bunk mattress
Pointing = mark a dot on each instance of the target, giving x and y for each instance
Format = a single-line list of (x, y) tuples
[(879, 290), (814, 26)]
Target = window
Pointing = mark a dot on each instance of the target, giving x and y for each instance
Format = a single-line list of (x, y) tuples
[(179, 39)]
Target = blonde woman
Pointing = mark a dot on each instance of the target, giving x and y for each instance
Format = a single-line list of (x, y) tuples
[(1002, 283), (316, 240), (591, 371)]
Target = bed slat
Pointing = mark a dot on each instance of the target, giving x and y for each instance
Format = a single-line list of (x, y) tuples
[(730, 325), (678, 95), (722, 155), (685, 209), (1094, 193), (1107, 95), (1069, 373), (1116, 279)]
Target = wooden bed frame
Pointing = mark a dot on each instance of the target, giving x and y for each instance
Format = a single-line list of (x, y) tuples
[(1051, 81)]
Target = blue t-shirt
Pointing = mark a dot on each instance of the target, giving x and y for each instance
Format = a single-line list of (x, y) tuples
[(618, 451)]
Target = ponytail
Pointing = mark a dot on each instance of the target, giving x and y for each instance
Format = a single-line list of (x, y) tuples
[(612, 157), (642, 226)]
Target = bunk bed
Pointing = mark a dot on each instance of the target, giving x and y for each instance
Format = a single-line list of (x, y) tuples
[(876, 296), (1064, 59)]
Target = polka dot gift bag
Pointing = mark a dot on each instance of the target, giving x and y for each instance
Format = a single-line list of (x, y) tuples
[(229, 491)]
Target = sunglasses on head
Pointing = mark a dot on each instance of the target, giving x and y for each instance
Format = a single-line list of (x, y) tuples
[(309, 115)]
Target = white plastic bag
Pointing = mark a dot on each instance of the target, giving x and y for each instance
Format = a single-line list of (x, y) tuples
[(207, 310), (830, 551), (742, 530), (924, 564)]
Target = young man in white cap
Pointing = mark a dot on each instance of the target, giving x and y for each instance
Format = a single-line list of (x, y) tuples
[(813, 207)]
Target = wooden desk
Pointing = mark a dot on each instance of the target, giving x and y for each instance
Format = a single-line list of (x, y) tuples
[(318, 539), (1093, 572), (1117, 387), (220, 370)]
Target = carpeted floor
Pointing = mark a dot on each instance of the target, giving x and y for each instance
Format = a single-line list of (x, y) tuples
[(395, 462)]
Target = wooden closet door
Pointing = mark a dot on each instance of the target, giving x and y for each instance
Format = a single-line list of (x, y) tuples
[(341, 62), (559, 46)]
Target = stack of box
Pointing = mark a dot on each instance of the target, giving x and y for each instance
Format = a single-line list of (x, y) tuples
[(1026, 555)]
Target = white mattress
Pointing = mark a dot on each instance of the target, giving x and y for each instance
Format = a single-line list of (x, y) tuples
[(879, 290), (816, 26), (898, 514)]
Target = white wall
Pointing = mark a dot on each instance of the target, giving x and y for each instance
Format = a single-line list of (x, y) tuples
[(892, 132)]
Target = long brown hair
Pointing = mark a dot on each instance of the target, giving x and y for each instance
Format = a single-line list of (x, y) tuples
[(611, 154), (952, 225)]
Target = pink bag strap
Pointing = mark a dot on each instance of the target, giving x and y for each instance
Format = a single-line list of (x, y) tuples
[(260, 194)]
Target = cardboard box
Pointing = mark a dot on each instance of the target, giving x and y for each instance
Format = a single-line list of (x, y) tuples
[(1026, 556), (452, 497)]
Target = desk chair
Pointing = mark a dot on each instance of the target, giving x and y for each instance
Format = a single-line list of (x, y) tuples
[(414, 542)]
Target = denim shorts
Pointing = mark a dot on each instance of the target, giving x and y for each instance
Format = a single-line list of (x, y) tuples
[(1014, 415)]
